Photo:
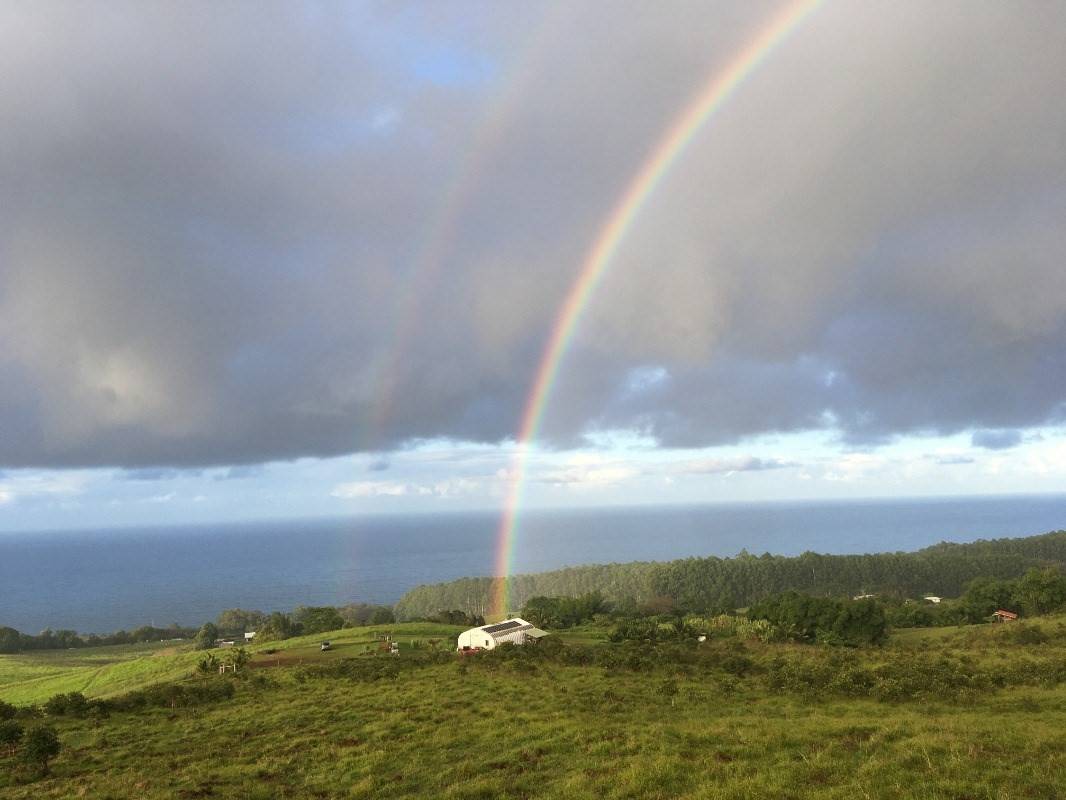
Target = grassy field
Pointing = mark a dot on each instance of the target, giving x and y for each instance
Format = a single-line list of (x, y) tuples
[(95, 671), (107, 671), (353, 724)]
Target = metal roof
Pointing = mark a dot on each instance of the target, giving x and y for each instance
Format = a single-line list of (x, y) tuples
[(503, 626)]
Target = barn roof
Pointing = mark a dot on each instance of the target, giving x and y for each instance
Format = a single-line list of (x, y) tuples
[(504, 626)]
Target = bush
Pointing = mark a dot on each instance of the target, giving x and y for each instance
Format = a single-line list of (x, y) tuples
[(10, 734), (72, 704), (824, 619), (7, 711)]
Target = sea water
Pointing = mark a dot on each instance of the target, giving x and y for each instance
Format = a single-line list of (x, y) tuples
[(101, 581)]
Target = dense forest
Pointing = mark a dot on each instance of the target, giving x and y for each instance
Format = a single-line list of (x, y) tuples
[(711, 585)]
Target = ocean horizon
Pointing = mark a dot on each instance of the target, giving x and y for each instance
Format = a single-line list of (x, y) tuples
[(99, 581)]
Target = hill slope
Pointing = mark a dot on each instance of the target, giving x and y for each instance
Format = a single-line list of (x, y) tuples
[(725, 720)]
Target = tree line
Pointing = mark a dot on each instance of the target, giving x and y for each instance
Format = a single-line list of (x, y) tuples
[(714, 585), (12, 641)]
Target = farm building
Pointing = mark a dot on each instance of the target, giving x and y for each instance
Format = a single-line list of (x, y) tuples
[(515, 631)]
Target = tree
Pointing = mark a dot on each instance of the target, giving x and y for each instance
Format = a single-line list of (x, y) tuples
[(7, 711), (40, 745), (382, 616), (1041, 590), (10, 640), (277, 626), (206, 636), (239, 620), (985, 595), (318, 619)]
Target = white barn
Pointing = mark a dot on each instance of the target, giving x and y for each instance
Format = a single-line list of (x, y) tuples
[(515, 631)]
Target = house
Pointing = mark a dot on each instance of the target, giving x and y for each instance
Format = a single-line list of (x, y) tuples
[(863, 596), (249, 635), (1004, 616), (932, 598), (515, 631)]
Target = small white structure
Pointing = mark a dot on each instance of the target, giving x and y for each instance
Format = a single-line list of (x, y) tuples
[(515, 631), (249, 635), (931, 598), (863, 596)]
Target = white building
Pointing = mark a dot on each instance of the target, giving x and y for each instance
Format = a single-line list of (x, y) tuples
[(515, 631), (931, 598)]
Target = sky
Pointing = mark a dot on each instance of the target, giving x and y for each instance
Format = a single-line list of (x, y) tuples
[(303, 259)]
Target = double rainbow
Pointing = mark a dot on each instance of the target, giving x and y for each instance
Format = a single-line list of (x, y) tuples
[(674, 142)]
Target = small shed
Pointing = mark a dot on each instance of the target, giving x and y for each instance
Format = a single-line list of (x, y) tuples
[(249, 635), (932, 598), (487, 637), (1004, 616)]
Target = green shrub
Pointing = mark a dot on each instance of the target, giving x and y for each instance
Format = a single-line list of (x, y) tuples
[(10, 733), (72, 704)]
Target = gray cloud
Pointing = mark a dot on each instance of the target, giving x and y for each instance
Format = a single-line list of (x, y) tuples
[(270, 231), (996, 439)]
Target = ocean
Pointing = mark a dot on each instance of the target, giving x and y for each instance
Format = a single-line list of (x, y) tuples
[(101, 581)]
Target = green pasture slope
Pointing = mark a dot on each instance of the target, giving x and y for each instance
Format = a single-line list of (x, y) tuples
[(34, 676), (984, 716)]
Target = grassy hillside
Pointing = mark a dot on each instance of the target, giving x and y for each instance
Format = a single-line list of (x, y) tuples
[(34, 676), (95, 671), (976, 713)]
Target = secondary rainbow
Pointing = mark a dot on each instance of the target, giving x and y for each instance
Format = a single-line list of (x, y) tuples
[(712, 97)]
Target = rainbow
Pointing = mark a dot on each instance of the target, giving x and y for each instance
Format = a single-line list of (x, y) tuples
[(666, 153)]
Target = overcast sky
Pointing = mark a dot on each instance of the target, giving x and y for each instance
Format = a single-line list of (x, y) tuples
[(268, 259)]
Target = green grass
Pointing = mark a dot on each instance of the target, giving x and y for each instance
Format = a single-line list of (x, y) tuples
[(95, 671), (488, 727), (107, 671)]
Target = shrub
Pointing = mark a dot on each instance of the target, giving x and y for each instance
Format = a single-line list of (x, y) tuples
[(72, 704), (10, 734)]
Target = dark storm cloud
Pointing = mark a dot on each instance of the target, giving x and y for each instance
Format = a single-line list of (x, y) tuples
[(218, 222)]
